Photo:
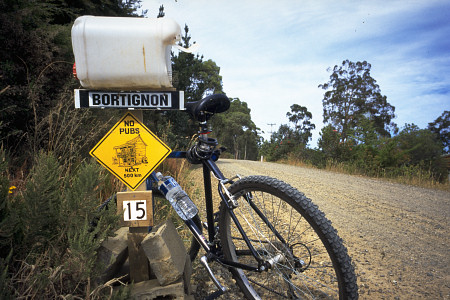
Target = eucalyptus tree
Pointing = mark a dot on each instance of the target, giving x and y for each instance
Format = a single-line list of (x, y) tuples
[(353, 95), (301, 118), (441, 127)]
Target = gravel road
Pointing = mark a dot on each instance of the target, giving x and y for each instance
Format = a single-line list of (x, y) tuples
[(397, 235)]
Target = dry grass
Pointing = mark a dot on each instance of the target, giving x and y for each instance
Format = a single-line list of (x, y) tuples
[(34, 281), (414, 176)]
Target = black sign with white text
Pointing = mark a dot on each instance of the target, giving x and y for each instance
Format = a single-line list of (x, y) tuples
[(130, 100)]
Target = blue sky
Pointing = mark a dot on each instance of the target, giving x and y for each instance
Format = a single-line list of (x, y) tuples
[(273, 54)]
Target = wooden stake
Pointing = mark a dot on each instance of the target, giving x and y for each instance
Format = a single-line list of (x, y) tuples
[(139, 264)]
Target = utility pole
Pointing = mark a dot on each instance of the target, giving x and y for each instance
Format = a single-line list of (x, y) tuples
[(271, 125)]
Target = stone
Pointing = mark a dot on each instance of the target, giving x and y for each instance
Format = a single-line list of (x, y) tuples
[(166, 252), (113, 252), (150, 289)]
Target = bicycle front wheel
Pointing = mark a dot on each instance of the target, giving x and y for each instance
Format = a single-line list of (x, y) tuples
[(305, 257)]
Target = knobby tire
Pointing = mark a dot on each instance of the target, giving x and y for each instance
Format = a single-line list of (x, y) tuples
[(309, 262)]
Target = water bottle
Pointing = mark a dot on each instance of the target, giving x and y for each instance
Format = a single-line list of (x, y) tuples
[(178, 198)]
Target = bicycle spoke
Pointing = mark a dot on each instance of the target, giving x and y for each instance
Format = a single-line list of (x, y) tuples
[(298, 262)]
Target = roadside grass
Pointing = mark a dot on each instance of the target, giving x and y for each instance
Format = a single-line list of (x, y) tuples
[(410, 175)]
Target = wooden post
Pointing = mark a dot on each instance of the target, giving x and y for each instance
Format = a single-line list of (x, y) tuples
[(139, 264)]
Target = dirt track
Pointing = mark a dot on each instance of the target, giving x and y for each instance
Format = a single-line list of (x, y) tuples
[(397, 235)]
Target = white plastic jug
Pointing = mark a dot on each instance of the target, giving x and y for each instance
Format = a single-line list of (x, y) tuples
[(124, 53)]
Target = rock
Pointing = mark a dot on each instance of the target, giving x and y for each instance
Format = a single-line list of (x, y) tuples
[(150, 289), (113, 252), (166, 253)]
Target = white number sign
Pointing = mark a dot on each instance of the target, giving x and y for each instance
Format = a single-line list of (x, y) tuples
[(135, 210)]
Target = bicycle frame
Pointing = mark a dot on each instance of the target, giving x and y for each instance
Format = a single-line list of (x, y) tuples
[(209, 166)]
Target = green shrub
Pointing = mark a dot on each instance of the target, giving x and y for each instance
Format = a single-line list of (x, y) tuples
[(56, 244)]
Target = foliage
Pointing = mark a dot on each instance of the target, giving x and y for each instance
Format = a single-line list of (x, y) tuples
[(357, 137), (70, 133), (54, 216), (280, 145), (41, 206), (301, 118), (418, 144), (412, 149), (289, 140), (236, 131), (421, 147), (331, 146), (6, 223), (353, 95), (31, 48), (441, 127)]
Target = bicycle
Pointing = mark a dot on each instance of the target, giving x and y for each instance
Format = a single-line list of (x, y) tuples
[(274, 240)]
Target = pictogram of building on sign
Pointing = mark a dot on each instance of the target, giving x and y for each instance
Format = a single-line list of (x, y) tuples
[(132, 153)]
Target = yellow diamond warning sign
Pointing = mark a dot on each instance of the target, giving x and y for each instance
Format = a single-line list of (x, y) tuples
[(130, 151)]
